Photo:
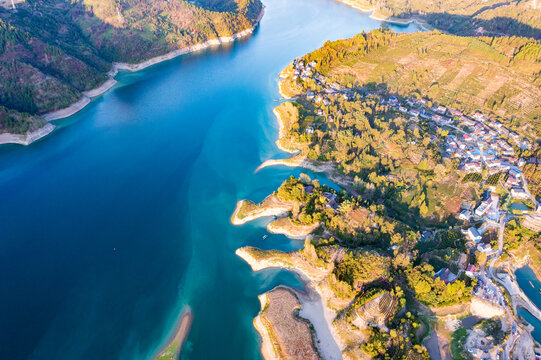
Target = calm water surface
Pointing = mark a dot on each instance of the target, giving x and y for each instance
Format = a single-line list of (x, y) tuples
[(121, 217), (525, 275)]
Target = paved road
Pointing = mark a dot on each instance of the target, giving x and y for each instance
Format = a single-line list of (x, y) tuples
[(525, 182)]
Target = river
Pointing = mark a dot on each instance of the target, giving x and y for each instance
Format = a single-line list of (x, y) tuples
[(121, 216)]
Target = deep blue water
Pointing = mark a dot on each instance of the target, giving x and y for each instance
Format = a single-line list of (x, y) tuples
[(121, 216), (524, 276)]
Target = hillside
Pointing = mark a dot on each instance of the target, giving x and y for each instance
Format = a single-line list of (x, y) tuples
[(434, 140), (462, 17), (499, 76), (51, 51)]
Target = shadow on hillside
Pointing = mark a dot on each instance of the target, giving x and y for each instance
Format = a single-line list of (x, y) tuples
[(470, 26)]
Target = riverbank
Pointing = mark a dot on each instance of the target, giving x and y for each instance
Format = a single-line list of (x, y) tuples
[(174, 346), (28, 138), (271, 206), (74, 108), (247, 210), (374, 14)]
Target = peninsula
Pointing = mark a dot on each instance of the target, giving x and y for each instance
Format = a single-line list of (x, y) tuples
[(172, 349), (439, 181)]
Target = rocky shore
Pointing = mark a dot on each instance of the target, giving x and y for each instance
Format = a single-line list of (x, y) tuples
[(374, 14), (28, 138)]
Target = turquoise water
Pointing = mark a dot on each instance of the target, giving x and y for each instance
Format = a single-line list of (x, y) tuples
[(519, 206), (524, 276), (121, 217)]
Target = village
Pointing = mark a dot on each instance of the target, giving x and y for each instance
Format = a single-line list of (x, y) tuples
[(483, 147), (486, 156)]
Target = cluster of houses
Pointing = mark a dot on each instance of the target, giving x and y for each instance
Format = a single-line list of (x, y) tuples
[(488, 212), (302, 70), (483, 146), (479, 142)]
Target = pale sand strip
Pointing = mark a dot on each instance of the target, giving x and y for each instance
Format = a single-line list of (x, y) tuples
[(26, 139), (388, 19), (186, 319), (85, 100), (101, 89), (313, 307), (70, 110), (6, 138), (267, 349)]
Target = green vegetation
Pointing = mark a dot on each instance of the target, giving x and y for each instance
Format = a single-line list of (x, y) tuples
[(458, 341), (51, 51), (493, 179), (446, 69), (18, 123), (493, 327), (516, 235), (354, 220), (473, 177), (495, 17), (399, 343), (433, 291), (358, 268), (532, 172), (396, 165), (369, 258), (367, 110)]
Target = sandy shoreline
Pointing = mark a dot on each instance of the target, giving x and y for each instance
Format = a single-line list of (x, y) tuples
[(388, 19), (181, 333), (26, 139), (313, 307), (7, 138), (267, 349), (277, 210)]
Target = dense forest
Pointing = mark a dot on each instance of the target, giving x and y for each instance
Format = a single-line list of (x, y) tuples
[(51, 51), (490, 17), (386, 156), (374, 259)]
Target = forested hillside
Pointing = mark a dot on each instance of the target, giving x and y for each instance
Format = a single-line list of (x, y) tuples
[(500, 76), (465, 17), (53, 50)]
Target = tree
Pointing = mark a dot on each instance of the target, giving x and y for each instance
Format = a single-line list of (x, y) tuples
[(480, 258)]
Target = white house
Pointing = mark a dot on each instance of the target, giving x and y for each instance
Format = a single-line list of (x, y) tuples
[(465, 215), (486, 248), (518, 192), (473, 234)]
